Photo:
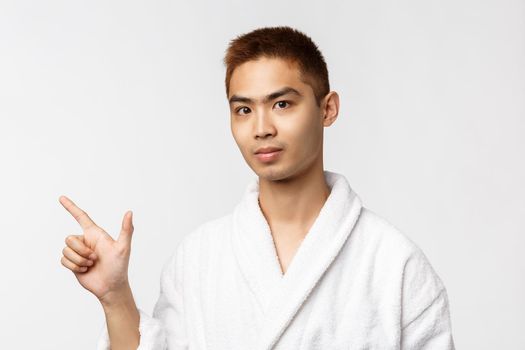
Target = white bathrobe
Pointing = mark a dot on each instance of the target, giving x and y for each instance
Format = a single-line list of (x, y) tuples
[(355, 282)]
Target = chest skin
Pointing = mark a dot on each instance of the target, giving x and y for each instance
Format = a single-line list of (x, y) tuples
[(286, 242)]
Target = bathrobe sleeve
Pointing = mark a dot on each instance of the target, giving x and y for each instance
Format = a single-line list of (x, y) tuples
[(165, 329), (425, 318)]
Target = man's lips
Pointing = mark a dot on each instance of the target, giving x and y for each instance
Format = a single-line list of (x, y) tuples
[(267, 149), (268, 156)]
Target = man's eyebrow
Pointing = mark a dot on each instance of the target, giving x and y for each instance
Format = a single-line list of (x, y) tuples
[(285, 90)]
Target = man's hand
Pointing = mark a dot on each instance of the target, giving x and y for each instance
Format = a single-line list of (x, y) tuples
[(107, 275)]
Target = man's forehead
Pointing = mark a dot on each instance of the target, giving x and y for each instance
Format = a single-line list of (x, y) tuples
[(257, 79), (264, 70)]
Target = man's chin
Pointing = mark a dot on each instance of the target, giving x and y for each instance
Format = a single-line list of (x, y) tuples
[(272, 173)]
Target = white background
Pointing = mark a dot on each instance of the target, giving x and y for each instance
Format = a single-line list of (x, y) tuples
[(121, 105)]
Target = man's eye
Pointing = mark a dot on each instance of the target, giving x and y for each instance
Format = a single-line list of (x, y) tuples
[(243, 109), (282, 104)]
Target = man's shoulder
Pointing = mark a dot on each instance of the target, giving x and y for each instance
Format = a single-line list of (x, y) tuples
[(205, 237), (207, 234), (210, 229), (377, 231), (400, 263), (395, 249)]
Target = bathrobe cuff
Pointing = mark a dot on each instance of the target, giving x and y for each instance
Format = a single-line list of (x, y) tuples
[(152, 336)]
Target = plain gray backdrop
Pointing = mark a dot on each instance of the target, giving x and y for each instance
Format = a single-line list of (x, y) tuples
[(121, 105)]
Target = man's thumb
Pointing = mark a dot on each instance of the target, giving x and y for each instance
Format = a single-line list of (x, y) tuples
[(127, 228)]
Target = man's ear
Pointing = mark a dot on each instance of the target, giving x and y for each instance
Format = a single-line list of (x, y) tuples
[(330, 107)]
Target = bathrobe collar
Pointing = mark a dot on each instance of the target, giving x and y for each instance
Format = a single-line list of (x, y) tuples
[(280, 296)]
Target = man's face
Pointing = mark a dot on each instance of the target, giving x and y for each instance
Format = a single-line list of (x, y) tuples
[(270, 106)]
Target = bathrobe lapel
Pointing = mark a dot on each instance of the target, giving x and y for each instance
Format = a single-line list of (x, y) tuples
[(280, 296)]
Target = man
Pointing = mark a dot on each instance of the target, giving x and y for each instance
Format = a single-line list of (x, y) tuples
[(299, 263)]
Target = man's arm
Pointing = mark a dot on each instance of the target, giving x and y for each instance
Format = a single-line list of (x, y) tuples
[(163, 329), (122, 320), (431, 329), (425, 310)]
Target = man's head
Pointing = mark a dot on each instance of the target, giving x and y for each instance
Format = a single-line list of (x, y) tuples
[(279, 95)]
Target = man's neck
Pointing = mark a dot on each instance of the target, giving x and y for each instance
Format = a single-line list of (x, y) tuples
[(293, 204)]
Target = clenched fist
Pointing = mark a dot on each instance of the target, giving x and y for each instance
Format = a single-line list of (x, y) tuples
[(99, 263)]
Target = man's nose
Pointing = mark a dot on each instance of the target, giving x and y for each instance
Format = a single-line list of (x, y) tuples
[(263, 124)]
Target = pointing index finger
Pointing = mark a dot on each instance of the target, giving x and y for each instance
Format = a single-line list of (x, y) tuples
[(81, 216)]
